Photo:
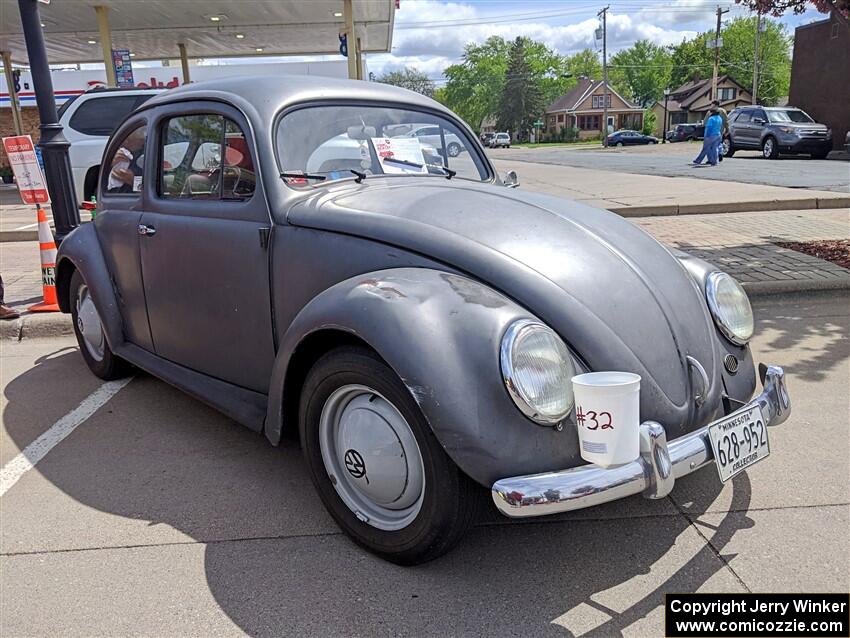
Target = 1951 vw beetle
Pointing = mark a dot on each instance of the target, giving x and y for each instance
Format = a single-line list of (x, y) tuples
[(290, 251)]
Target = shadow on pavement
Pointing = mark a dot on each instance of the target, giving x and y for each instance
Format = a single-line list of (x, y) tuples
[(277, 565)]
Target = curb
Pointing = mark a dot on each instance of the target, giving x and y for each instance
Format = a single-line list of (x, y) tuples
[(766, 288), (36, 326), (667, 210)]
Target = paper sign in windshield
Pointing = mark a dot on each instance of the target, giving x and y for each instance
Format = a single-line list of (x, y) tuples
[(399, 154)]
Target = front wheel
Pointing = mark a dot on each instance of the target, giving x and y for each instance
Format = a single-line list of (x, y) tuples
[(90, 335), (618, 144), (769, 148), (375, 462), (453, 149), (726, 148)]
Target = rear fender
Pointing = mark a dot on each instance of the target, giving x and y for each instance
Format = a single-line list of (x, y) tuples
[(81, 250), (441, 334)]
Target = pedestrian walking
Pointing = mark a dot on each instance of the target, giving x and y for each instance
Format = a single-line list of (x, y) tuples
[(711, 138), (724, 129), (5, 311)]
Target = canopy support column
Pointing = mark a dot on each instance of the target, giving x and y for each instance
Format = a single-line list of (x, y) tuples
[(106, 44), (14, 104), (184, 62), (351, 38)]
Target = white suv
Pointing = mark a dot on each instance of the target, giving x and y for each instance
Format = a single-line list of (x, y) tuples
[(88, 120)]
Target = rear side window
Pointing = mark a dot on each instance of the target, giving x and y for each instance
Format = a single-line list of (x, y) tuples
[(193, 165), (102, 115)]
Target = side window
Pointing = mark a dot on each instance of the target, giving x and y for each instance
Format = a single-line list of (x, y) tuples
[(127, 166), (193, 165), (743, 117), (238, 179), (102, 115), (759, 114)]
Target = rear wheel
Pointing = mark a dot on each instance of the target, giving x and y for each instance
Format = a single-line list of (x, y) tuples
[(375, 462), (769, 148), (618, 144), (90, 335), (453, 149)]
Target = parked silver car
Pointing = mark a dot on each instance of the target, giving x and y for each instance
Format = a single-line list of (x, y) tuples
[(412, 320)]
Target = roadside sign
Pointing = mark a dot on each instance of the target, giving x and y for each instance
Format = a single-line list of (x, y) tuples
[(24, 162), (714, 44), (123, 67)]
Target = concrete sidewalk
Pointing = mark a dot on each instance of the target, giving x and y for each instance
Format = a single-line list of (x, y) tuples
[(632, 195)]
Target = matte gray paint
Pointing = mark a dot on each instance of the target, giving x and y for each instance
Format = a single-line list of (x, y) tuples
[(481, 255)]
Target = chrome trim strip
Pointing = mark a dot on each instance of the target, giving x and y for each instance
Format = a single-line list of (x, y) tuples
[(653, 474)]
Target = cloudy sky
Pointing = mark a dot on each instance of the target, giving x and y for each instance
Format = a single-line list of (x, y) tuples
[(431, 34)]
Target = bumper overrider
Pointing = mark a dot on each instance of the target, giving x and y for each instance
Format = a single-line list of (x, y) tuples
[(653, 474)]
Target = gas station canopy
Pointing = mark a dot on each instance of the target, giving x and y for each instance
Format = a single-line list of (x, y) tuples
[(152, 29)]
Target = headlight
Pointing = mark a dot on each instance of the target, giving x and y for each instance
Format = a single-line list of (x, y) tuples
[(730, 307), (537, 369), (790, 130)]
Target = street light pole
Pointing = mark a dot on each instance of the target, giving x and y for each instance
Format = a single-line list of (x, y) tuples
[(604, 13), (53, 145)]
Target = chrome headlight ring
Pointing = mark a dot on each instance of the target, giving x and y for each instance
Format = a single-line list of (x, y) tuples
[(537, 370), (730, 307)]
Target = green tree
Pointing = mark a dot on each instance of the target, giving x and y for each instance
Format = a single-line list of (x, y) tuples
[(522, 100), (692, 59), (641, 72), (585, 62), (474, 86), (649, 119), (411, 79)]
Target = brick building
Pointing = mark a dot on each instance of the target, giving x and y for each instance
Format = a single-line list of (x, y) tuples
[(819, 71)]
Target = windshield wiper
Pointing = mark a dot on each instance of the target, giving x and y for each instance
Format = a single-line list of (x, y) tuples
[(449, 172), (304, 176), (358, 175)]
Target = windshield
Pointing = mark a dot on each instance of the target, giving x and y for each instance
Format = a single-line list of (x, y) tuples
[(330, 141), (790, 115)]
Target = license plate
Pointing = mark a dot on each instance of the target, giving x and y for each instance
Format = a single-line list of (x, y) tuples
[(739, 441)]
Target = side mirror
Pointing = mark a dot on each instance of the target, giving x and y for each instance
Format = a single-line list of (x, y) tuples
[(511, 180)]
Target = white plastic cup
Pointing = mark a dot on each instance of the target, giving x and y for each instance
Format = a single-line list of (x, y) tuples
[(607, 407)]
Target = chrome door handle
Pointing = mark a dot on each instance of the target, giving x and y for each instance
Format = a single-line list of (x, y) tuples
[(146, 230)]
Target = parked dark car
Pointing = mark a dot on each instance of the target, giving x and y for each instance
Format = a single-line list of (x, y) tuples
[(686, 133), (273, 251), (775, 130), (626, 137)]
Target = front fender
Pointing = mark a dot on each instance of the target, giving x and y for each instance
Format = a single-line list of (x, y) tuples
[(440, 333), (81, 250)]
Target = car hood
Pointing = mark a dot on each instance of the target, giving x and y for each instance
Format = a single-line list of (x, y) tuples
[(620, 299)]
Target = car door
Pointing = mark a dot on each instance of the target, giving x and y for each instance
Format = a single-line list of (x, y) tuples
[(758, 125), (121, 199), (204, 247)]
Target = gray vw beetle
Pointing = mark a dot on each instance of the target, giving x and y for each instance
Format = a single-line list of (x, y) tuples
[(282, 249)]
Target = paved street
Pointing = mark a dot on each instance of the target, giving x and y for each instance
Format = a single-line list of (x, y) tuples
[(672, 160), (158, 516)]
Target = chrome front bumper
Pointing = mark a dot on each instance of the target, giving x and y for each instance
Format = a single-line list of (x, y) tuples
[(653, 474)]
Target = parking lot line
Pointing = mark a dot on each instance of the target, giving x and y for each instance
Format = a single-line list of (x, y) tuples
[(38, 449)]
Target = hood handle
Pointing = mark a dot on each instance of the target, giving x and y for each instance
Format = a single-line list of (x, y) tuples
[(699, 397)]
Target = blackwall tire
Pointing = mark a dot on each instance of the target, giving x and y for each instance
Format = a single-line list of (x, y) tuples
[(446, 505), (89, 332)]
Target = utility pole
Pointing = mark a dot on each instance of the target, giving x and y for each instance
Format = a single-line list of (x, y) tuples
[(756, 61), (720, 12), (604, 14)]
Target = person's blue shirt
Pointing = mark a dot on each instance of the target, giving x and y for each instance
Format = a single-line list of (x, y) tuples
[(713, 125)]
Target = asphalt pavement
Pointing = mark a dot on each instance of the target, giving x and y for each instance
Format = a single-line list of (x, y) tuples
[(673, 160), (158, 516)]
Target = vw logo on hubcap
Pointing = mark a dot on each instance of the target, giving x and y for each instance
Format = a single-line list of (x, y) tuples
[(354, 464)]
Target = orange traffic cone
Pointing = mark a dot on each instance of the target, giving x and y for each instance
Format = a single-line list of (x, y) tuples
[(48, 265)]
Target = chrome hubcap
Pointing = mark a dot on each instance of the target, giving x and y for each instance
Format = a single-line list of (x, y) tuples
[(371, 457), (768, 148), (454, 150), (89, 325)]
